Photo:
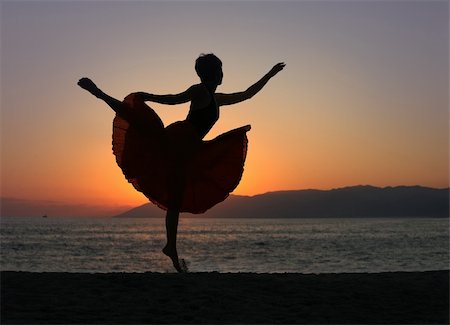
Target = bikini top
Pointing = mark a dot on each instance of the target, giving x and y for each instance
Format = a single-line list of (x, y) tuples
[(203, 119)]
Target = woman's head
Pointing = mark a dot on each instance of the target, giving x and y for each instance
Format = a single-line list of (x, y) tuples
[(209, 69)]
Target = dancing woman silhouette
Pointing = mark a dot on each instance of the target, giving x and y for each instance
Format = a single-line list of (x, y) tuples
[(173, 167)]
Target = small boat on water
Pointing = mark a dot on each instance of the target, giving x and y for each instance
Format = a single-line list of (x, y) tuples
[(44, 216)]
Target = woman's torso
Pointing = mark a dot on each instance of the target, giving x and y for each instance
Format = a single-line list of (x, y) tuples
[(203, 119)]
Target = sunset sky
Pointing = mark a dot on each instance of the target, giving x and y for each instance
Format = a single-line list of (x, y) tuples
[(363, 98)]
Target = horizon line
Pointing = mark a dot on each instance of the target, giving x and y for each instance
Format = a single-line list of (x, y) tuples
[(50, 201)]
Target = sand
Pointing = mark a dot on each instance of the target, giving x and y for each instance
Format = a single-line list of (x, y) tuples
[(114, 298)]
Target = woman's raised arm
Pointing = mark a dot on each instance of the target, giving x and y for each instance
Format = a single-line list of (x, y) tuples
[(229, 99)]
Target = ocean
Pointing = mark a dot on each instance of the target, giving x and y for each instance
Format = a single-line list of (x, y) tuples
[(225, 245)]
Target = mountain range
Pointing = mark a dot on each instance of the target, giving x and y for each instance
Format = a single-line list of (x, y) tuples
[(356, 201)]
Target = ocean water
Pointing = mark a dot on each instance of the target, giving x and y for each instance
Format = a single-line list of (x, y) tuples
[(225, 245)]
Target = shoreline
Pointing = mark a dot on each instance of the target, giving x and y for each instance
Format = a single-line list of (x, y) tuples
[(218, 298)]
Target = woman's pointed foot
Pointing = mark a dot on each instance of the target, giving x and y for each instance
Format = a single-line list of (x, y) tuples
[(90, 86), (180, 265)]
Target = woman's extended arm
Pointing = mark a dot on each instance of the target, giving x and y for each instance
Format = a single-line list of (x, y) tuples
[(180, 98), (229, 99)]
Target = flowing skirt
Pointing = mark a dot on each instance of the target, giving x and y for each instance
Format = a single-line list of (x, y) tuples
[(173, 167)]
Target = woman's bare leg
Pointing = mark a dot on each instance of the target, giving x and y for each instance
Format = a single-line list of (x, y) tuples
[(170, 249), (90, 86)]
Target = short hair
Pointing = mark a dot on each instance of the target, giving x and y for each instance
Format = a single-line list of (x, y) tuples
[(207, 66)]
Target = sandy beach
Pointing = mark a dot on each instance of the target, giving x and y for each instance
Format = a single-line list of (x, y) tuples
[(109, 298)]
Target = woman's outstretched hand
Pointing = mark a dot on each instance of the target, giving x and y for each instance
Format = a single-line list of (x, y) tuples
[(90, 86), (276, 68)]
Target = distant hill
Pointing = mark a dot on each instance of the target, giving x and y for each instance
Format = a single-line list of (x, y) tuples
[(349, 202)]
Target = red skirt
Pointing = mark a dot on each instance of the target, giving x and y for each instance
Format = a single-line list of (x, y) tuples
[(173, 167)]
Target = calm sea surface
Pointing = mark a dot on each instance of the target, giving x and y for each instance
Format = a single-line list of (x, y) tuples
[(225, 245)]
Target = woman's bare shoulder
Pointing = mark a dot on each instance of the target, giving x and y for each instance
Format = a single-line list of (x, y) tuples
[(199, 89), (200, 96)]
